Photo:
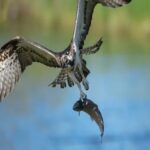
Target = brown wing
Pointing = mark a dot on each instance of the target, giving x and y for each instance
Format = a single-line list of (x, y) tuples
[(84, 17), (83, 20), (15, 56), (29, 52), (114, 3)]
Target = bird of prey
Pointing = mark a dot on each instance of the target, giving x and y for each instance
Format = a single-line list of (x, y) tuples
[(18, 53), (84, 14)]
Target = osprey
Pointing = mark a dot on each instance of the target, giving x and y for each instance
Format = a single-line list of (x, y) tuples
[(19, 53), (82, 24)]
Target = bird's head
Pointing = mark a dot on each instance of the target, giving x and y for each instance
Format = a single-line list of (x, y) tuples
[(67, 61)]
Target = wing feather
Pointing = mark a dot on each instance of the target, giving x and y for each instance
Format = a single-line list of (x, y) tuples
[(114, 3), (33, 52), (84, 14), (16, 55), (10, 71), (63, 78)]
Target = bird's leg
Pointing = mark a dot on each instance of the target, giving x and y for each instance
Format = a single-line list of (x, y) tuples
[(82, 94), (78, 64)]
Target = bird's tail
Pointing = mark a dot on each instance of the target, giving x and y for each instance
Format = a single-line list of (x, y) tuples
[(63, 79)]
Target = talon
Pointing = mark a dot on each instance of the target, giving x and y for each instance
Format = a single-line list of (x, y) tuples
[(83, 96)]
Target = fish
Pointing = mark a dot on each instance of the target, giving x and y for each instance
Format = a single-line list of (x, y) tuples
[(88, 106)]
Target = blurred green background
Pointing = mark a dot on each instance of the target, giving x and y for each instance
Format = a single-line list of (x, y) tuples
[(54, 20), (37, 117)]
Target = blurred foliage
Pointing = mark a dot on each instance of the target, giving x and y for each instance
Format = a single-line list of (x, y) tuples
[(54, 19)]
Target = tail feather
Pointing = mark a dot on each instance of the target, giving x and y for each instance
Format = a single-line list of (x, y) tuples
[(63, 78)]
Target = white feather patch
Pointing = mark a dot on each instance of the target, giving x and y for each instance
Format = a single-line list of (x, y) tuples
[(10, 71)]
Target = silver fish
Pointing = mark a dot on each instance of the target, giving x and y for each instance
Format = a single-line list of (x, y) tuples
[(89, 107)]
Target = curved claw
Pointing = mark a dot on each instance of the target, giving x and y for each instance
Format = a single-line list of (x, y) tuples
[(83, 96)]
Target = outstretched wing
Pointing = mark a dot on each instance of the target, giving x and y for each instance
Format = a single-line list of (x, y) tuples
[(15, 55), (84, 16)]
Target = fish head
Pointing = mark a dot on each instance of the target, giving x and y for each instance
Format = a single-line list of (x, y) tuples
[(78, 106)]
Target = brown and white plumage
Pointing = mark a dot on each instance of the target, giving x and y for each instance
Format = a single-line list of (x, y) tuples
[(19, 53), (15, 56), (64, 77), (10, 71)]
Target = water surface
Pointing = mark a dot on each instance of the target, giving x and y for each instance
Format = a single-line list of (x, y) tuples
[(38, 117)]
